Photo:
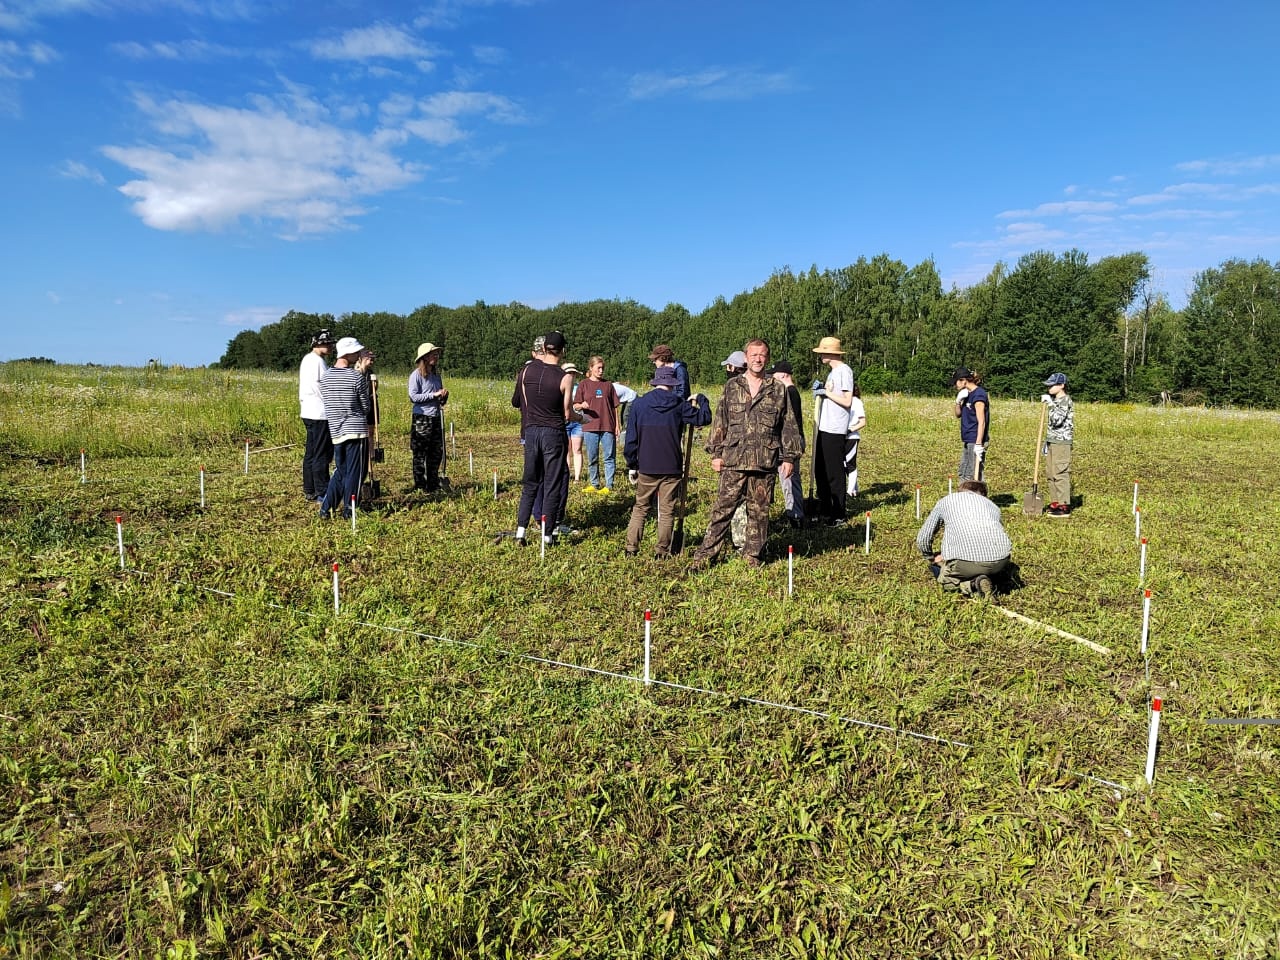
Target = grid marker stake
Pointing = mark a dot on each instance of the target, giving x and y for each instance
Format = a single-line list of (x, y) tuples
[(471, 462), (353, 513), (1142, 563), (1146, 618), (82, 474), (867, 547), (335, 589), (648, 618), (246, 458), (453, 442), (495, 484), (917, 501), (1137, 525), (543, 554), (948, 484), (1153, 735), (202, 486), (1135, 497), (120, 538), (791, 559)]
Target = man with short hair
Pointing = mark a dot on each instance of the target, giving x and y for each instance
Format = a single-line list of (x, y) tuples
[(654, 457), (754, 433), (544, 393), (348, 406), (663, 356), (835, 396), (1057, 446), (974, 545), (319, 447)]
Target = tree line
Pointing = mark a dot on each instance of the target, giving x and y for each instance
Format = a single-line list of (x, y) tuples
[(1099, 322)]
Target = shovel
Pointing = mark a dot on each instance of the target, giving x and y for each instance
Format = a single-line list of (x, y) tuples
[(677, 536), (1033, 503), (371, 489)]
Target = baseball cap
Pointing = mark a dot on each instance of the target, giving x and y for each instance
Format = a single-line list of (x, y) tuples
[(783, 366), (736, 359), (322, 339), (1056, 379), (555, 340), (962, 373)]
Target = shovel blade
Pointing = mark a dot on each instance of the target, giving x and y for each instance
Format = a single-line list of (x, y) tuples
[(1033, 504)]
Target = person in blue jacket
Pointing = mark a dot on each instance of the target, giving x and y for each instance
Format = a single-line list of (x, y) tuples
[(653, 454)]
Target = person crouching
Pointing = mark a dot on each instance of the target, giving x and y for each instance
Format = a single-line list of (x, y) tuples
[(974, 545)]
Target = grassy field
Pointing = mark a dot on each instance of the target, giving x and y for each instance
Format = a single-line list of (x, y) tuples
[(199, 759)]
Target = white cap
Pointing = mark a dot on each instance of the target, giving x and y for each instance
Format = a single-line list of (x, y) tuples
[(349, 345)]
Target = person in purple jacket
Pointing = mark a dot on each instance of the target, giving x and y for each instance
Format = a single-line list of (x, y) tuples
[(653, 454)]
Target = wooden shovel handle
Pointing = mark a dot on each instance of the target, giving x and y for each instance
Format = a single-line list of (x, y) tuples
[(1035, 474)]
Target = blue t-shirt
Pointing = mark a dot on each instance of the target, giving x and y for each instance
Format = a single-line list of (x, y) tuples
[(969, 416)]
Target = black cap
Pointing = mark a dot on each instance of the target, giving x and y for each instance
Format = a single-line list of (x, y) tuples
[(555, 340), (962, 373), (782, 366)]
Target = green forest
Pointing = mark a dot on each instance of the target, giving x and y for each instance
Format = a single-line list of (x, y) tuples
[(1100, 322)]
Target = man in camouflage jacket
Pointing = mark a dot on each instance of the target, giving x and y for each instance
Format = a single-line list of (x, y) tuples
[(754, 438)]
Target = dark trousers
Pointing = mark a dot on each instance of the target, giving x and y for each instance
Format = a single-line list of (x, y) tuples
[(349, 460), (544, 466), (829, 471), (315, 459), (426, 443)]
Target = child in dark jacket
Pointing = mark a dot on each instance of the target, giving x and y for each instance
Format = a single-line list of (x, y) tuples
[(654, 457)]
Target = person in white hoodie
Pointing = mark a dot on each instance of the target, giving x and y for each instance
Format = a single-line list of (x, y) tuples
[(319, 449)]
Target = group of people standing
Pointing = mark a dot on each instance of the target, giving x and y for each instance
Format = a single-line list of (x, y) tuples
[(756, 440)]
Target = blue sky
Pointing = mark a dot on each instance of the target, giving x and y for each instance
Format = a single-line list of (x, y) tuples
[(175, 171)]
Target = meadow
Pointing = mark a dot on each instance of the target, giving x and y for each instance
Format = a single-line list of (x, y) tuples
[(199, 758)]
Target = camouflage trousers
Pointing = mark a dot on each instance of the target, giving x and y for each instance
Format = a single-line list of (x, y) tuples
[(426, 442), (737, 486)]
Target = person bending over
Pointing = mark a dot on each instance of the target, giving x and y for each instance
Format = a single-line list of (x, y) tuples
[(974, 545)]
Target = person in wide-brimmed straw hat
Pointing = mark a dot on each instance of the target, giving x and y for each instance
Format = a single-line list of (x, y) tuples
[(833, 399), (426, 434)]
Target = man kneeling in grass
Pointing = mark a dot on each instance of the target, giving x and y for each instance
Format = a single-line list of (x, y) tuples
[(974, 545)]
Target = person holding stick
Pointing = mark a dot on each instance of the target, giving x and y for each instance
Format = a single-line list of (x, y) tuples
[(319, 448), (348, 406), (754, 433), (426, 433), (973, 410), (1057, 446), (654, 459), (974, 545)]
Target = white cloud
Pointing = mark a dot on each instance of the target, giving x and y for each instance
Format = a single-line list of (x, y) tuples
[(1182, 214), (182, 50), (53, 297), (1231, 167), (253, 318), (713, 83), (289, 167), (75, 170), (440, 114), (18, 60), (1060, 208), (489, 56), (378, 42)]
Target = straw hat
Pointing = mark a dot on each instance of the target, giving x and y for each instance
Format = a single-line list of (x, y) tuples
[(569, 368), (424, 349), (829, 345)]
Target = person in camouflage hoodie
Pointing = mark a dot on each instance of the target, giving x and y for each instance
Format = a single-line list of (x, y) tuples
[(1057, 447), (755, 437)]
